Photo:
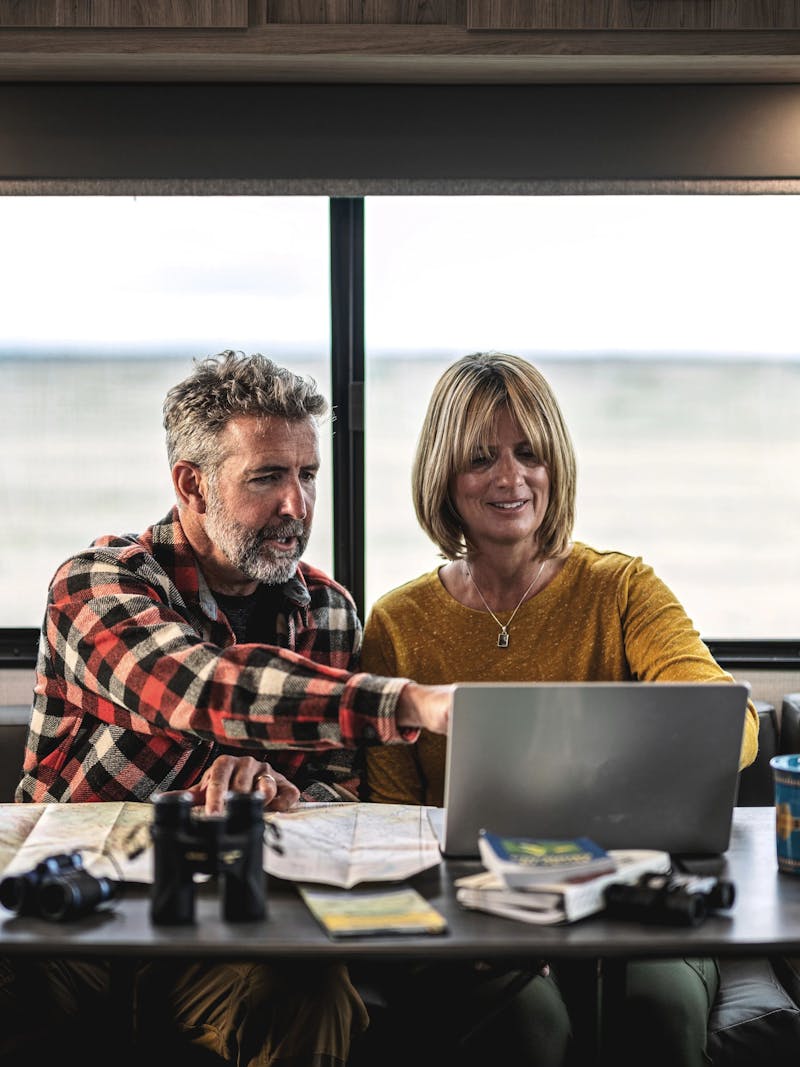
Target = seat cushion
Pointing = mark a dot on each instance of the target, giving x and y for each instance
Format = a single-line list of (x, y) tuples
[(790, 723), (755, 781), (754, 1019), (13, 735)]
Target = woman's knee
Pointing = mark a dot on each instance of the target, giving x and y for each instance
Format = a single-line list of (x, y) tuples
[(667, 1005)]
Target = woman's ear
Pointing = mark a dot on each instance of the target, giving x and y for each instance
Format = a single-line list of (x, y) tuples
[(190, 486)]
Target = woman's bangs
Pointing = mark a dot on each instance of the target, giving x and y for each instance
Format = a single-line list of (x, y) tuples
[(478, 435), (527, 413)]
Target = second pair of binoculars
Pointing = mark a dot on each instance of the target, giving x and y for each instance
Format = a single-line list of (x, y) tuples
[(673, 898), (58, 888), (229, 847)]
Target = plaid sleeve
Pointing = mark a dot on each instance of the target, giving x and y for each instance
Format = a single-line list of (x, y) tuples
[(119, 635)]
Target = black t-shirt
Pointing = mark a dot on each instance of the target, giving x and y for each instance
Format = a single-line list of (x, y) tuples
[(253, 618)]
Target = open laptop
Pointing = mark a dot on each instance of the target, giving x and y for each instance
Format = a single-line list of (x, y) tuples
[(629, 764)]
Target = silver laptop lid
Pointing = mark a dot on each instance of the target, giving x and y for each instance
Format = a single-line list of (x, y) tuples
[(629, 764)]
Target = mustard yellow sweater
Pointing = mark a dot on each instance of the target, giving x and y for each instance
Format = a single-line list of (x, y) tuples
[(605, 617)]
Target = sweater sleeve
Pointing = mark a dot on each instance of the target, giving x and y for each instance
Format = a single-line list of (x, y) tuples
[(662, 644), (392, 773)]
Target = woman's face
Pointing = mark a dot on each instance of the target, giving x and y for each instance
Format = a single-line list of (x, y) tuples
[(502, 497)]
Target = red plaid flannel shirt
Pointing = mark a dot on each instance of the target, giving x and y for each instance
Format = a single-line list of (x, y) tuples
[(140, 683)]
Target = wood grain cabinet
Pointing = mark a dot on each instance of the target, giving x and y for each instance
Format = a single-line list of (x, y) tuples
[(225, 14), (502, 15), (124, 14), (692, 15), (426, 41)]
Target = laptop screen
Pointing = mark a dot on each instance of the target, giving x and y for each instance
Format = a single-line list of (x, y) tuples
[(629, 764)]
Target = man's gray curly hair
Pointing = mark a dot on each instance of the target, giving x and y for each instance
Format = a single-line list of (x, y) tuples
[(220, 387)]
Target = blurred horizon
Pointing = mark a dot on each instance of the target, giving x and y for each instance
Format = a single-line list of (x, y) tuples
[(83, 350)]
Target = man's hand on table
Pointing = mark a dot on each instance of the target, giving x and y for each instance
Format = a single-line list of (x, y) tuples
[(243, 774)]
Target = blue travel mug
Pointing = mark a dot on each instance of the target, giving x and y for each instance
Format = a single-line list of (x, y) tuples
[(786, 776)]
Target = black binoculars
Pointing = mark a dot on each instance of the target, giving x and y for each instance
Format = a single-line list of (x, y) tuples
[(676, 899), (231, 846), (59, 888)]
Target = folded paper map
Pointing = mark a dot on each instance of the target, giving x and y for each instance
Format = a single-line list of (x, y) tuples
[(344, 844), (333, 844)]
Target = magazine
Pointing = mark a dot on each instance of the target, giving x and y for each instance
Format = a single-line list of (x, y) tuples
[(354, 912)]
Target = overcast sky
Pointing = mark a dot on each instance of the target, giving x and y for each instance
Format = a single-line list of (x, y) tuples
[(534, 274)]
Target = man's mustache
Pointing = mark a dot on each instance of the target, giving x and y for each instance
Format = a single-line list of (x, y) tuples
[(281, 531)]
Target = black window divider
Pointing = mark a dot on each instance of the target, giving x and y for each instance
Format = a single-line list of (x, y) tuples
[(347, 388)]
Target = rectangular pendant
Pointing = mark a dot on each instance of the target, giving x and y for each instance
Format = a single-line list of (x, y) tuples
[(502, 639)]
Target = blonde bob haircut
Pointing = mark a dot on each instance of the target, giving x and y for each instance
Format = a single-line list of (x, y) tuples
[(460, 423)]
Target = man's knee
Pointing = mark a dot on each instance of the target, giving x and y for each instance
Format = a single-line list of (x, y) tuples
[(250, 1013)]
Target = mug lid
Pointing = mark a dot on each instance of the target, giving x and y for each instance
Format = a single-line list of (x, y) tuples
[(787, 762)]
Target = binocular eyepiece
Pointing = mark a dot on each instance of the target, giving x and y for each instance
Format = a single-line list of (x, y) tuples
[(58, 888), (230, 846)]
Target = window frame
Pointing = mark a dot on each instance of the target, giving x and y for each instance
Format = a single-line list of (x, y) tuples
[(280, 139)]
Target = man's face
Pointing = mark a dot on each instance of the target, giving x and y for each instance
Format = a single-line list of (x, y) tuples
[(260, 501)]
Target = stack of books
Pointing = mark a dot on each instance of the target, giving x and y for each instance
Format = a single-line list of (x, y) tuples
[(547, 881)]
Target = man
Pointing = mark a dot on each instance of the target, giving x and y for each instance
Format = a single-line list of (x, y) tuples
[(187, 657)]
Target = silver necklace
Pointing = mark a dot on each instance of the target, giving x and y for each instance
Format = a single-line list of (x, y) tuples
[(502, 637)]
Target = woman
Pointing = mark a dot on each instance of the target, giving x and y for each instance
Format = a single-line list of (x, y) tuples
[(493, 483)]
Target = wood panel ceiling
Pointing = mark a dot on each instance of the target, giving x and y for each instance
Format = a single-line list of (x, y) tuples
[(405, 41)]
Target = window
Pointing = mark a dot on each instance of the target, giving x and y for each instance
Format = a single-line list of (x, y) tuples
[(665, 323), (668, 328), (106, 302)]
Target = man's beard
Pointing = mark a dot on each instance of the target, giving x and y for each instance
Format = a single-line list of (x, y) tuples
[(248, 550)]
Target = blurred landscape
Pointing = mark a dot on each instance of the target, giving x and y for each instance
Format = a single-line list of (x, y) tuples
[(691, 463)]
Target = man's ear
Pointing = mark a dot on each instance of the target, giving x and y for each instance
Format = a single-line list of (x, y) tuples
[(190, 486)]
